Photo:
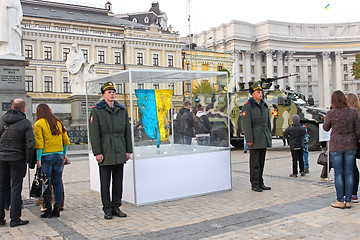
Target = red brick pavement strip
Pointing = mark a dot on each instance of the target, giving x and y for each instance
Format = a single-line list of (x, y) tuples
[(83, 216)]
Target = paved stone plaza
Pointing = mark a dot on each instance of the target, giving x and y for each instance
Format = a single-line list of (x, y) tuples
[(295, 208)]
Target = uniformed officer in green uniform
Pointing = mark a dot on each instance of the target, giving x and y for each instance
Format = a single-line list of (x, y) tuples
[(257, 130), (110, 137)]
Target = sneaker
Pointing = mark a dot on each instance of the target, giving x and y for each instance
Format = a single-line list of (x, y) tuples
[(302, 174), (306, 170), (338, 204), (293, 175), (354, 199), (348, 205)]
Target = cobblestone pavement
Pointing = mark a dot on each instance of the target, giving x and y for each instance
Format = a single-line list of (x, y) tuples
[(295, 208)]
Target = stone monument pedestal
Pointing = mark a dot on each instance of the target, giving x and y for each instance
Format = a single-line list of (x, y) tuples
[(12, 84), (78, 109)]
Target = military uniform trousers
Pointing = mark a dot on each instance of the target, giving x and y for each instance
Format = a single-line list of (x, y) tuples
[(14, 172), (257, 162), (106, 172)]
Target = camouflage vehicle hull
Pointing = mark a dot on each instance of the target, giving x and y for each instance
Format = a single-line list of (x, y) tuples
[(283, 104)]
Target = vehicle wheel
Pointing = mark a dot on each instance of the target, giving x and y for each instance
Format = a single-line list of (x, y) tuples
[(313, 132)]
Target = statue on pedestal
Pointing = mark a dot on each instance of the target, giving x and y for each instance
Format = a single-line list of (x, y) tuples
[(90, 74), (10, 27)]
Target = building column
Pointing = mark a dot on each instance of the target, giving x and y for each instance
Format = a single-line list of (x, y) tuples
[(39, 83), (326, 79), (38, 49), (247, 66), (280, 68), (109, 55), (58, 80), (92, 54), (58, 51), (236, 71), (269, 64), (258, 67), (291, 69), (320, 80), (338, 75)]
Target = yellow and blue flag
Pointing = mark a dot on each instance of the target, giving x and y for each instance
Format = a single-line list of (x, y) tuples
[(327, 6)]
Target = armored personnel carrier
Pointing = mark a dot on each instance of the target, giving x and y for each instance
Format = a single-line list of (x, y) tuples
[(283, 104)]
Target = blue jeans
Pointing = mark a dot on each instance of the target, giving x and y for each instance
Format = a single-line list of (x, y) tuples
[(245, 145), (306, 159), (52, 166), (343, 162)]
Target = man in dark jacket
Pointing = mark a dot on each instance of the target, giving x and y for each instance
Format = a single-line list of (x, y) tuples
[(185, 123), (296, 134), (110, 136), (256, 126), (17, 144)]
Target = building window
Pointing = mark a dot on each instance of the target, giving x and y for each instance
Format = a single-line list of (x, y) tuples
[(117, 58), (309, 69), (29, 84), (187, 87), (345, 67), (262, 58), (263, 70), (346, 77), (170, 85), (118, 87), (298, 78), (155, 59), (286, 69), (66, 51), (297, 68), (101, 56), (310, 78), (297, 60), (140, 85), (48, 84), (139, 58), (252, 57), (219, 68), (310, 89), (28, 51), (146, 20), (156, 85), (134, 20), (298, 89), (346, 87), (358, 86), (66, 85), (241, 68), (309, 59), (187, 66), (170, 60), (240, 56), (85, 54), (47, 53), (275, 69), (252, 69)]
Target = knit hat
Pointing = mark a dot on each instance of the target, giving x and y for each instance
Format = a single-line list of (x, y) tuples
[(107, 86), (296, 119), (256, 86)]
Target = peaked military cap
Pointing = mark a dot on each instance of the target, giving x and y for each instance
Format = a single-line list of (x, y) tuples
[(256, 86), (107, 86)]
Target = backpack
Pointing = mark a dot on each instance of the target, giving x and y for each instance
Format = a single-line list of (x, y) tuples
[(199, 126)]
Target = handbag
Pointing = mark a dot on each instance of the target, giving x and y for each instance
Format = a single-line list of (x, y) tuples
[(322, 159), (36, 187), (46, 191), (357, 150)]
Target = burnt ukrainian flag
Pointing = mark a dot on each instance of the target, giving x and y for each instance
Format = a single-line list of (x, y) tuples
[(327, 6)]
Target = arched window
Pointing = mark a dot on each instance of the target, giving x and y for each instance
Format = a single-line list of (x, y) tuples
[(134, 20), (146, 20)]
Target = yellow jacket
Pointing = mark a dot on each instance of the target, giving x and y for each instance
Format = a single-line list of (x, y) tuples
[(45, 140)]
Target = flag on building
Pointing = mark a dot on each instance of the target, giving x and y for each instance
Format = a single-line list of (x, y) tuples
[(327, 6)]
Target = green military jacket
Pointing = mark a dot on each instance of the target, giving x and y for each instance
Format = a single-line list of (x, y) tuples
[(110, 132), (256, 124)]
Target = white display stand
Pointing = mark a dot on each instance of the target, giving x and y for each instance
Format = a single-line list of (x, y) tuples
[(172, 171), (162, 178)]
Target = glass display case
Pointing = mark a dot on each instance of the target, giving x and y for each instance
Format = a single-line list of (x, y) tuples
[(162, 167)]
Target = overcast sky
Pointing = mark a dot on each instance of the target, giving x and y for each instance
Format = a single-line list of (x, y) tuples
[(206, 14)]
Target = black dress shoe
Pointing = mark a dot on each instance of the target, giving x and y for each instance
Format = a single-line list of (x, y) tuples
[(2, 222), (263, 187), (108, 216), (256, 188), (18, 223), (119, 213)]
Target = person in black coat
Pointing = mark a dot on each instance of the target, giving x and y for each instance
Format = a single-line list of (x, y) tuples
[(17, 144), (296, 134)]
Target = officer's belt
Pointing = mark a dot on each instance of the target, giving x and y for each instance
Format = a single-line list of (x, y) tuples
[(113, 135)]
